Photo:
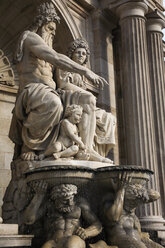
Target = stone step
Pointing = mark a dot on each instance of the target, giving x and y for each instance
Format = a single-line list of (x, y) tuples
[(7, 229), (15, 240)]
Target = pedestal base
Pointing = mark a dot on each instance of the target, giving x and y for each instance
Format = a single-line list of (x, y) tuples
[(153, 223), (8, 229), (89, 182), (15, 240), (155, 226), (9, 236), (161, 236)]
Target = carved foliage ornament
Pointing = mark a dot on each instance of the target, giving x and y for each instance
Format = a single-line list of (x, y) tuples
[(6, 72)]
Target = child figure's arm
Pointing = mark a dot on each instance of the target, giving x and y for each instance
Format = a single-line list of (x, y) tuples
[(69, 130)]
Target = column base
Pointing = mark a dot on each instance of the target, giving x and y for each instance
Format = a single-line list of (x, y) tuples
[(161, 236), (155, 226), (153, 223)]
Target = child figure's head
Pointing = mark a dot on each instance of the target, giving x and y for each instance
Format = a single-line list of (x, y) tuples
[(74, 113)]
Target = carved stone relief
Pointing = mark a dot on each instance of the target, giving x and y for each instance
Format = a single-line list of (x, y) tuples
[(6, 72)]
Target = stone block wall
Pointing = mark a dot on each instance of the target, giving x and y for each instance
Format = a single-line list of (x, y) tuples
[(6, 146)]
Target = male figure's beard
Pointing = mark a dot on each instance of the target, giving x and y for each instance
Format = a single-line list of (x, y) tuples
[(48, 38), (64, 209)]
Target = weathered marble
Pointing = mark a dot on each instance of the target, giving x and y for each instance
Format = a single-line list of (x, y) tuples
[(102, 126), (35, 125)]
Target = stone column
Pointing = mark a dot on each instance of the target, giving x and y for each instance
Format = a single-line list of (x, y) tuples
[(157, 80), (117, 50), (138, 113)]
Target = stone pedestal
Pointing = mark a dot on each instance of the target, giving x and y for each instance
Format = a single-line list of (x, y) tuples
[(15, 240), (9, 237), (157, 80), (6, 229), (137, 103), (60, 188)]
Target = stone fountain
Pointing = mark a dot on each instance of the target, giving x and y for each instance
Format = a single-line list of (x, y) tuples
[(64, 190)]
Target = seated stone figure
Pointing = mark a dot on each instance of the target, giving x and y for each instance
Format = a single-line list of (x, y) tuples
[(68, 142), (39, 109), (102, 131), (61, 216), (118, 216)]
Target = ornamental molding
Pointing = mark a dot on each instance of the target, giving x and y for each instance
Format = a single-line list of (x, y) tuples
[(6, 72)]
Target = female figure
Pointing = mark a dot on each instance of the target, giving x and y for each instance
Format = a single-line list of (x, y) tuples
[(97, 126)]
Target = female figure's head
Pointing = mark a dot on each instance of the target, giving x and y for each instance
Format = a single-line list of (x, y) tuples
[(79, 51)]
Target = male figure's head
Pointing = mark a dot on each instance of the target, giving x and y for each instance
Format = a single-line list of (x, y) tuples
[(74, 113), (63, 196), (45, 22), (137, 194)]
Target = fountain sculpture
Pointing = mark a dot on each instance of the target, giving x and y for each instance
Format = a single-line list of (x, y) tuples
[(64, 190)]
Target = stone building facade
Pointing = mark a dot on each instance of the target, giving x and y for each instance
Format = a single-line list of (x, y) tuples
[(125, 39)]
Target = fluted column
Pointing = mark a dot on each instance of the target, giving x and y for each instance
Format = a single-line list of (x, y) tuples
[(157, 80), (117, 50), (139, 124)]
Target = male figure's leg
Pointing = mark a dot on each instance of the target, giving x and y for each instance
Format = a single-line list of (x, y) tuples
[(75, 242), (69, 152), (40, 111), (49, 244)]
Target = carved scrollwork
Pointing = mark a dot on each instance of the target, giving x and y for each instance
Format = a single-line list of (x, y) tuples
[(6, 72)]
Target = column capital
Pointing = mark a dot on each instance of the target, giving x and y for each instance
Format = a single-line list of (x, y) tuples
[(154, 22), (136, 8)]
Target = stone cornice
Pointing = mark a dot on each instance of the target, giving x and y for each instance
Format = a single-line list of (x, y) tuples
[(86, 4), (155, 22), (113, 4)]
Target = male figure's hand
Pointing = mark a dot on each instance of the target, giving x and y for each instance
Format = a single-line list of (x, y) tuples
[(123, 180), (81, 233), (39, 187), (97, 80)]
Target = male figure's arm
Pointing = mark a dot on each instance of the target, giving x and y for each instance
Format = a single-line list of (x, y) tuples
[(113, 210), (42, 51), (95, 226), (32, 213)]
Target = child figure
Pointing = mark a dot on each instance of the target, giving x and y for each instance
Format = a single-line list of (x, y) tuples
[(68, 142)]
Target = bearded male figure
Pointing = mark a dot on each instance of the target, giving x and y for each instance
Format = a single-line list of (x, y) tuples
[(122, 227), (38, 108), (61, 216)]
